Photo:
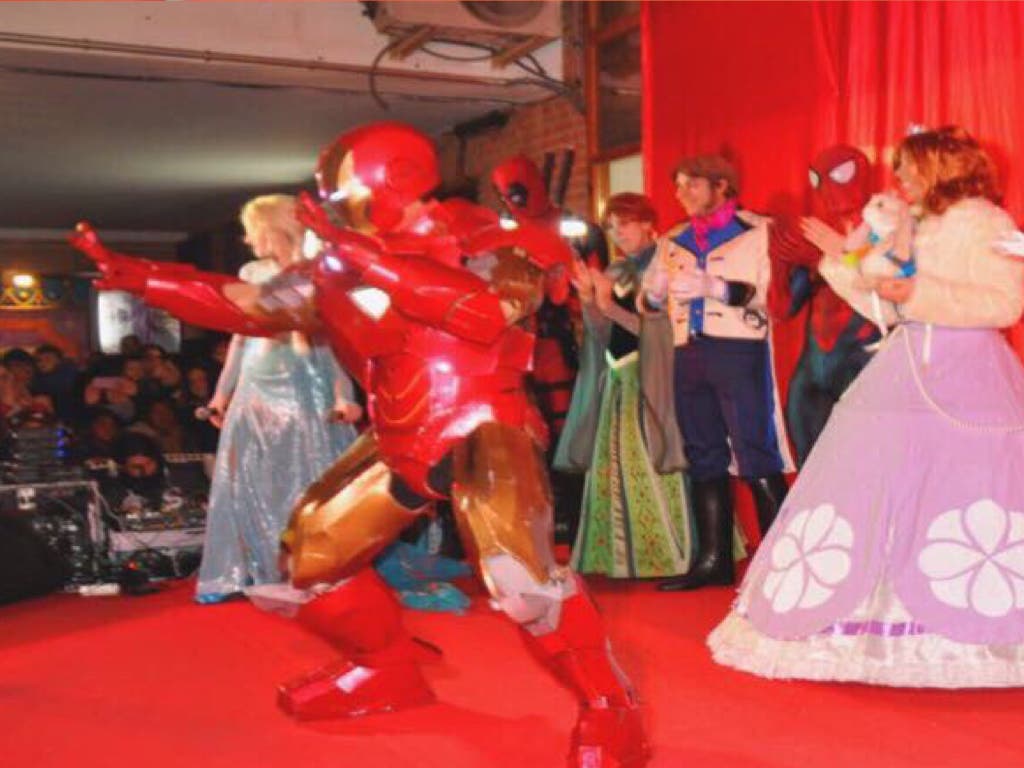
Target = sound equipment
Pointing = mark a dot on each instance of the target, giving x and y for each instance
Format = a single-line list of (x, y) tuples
[(161, 531), (78, 532), (28, 567), (36, 451), (64, 518)]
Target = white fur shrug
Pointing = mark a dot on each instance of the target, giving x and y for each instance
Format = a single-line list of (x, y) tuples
[(961, 281)]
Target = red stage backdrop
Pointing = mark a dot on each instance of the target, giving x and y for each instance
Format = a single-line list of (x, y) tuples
[(772, 83)]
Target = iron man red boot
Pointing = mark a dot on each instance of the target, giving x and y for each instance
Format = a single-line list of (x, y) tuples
[(609, 732), (378, 671)]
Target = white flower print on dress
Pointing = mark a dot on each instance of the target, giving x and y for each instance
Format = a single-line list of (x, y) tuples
[(975, 559), (809, 560)]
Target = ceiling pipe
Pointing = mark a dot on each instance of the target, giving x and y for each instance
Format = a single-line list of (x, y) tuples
[(220, 57)]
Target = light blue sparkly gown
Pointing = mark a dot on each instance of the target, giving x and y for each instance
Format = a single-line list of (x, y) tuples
[(276, 441)]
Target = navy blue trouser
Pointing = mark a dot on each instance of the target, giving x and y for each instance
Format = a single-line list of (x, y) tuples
[(818, 382), (724, 394)]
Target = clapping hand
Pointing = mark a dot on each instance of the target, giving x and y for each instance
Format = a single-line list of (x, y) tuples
[(788, 244), (822, 236), (690, 284), (582, 281)]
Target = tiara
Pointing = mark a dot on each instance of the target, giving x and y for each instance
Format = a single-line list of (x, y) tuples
[(915, 128)]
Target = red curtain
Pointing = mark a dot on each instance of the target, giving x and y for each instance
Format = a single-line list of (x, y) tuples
[(772, 83)]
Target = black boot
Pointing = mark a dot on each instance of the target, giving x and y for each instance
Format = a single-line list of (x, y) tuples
[(712, 509), (769, 493)]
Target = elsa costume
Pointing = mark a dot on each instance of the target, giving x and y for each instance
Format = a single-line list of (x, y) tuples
[(276, 440)]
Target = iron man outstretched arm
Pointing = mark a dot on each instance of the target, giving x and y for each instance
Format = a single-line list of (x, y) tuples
[(196, 297), (451, 299)]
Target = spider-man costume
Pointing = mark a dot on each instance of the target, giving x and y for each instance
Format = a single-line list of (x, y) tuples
[(836, 336)]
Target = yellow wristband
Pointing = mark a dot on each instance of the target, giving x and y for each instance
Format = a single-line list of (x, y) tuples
[(850, 258)]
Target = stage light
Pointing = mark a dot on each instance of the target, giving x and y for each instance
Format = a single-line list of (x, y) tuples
[(23, 280), (570, 226), (507, 222)]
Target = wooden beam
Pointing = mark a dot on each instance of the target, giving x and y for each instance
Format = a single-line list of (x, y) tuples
[(407, 44), (503, 58)]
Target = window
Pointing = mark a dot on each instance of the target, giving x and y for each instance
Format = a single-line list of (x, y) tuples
[(614, 92)]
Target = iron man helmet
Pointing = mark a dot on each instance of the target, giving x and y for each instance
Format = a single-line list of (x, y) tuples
[(371, 174)]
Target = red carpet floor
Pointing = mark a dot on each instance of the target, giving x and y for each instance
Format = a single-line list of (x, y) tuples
[(157, 681)]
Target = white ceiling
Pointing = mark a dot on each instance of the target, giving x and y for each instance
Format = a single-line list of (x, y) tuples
[(165, 116)]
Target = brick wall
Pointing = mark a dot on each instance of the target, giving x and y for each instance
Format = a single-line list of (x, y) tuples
[(551, 125)]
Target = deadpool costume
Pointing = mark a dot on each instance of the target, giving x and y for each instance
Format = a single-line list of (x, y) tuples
[(836, 337)]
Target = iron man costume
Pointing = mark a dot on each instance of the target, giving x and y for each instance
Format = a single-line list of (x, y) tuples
[(836, 336), (442, 361)]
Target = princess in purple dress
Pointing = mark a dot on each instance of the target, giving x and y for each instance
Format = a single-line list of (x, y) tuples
[(898, 557)]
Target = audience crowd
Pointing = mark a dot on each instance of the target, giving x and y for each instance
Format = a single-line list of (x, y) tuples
[(114, 404)]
